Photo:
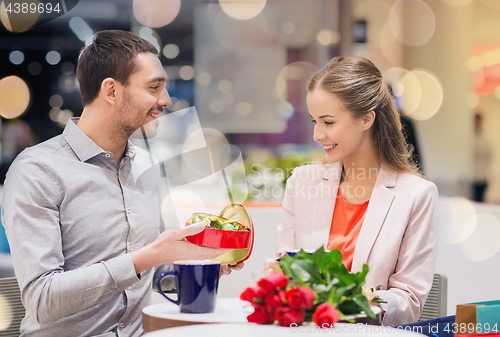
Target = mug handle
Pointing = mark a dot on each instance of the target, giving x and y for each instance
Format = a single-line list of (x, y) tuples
[(158, 283)]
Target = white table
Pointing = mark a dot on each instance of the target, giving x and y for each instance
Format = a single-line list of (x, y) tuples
[(252, 330), (167, 315)]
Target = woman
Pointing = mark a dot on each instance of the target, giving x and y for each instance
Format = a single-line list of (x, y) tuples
[(370, 201)]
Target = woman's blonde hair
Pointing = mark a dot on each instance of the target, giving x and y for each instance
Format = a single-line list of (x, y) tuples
[(358, 84)]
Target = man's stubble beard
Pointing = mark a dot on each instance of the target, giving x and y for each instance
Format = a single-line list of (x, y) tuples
[(120, 129)]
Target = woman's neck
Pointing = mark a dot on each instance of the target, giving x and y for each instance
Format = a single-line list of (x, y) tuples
[(361, 167)]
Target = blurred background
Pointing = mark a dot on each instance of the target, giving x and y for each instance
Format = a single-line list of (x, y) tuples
[(244, 65)]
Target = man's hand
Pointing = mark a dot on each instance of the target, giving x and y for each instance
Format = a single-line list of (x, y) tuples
[(171, 246), (271, 264), (226, 269)]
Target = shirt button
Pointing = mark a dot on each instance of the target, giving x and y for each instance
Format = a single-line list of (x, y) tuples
[(107, 155), (130, 248), (121, 325), (128, 210)]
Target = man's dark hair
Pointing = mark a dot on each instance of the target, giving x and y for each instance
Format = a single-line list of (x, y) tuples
[(112, 53)]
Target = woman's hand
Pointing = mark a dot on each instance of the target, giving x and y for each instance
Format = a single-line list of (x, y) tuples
[(226, 269), (271, 264)]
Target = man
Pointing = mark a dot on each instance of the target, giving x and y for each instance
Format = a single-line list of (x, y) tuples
[(83, 235)]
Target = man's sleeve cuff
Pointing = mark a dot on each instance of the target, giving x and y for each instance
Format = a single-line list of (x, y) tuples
[(389, 309), (122, 271)]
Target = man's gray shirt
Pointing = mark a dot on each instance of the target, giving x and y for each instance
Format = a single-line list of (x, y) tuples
[(72, 217)]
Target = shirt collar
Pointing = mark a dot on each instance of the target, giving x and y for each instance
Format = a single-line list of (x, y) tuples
[(80, 143), (83, 146)]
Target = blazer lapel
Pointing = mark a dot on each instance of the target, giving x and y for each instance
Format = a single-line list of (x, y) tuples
[(378, 207), (324, 204)]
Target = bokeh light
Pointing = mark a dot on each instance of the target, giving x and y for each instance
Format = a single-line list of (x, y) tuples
[(327, 37), (412, 22), (16, 57), (285, 110), (186, 73), (171, 51), (472, 100), (67, 68), (64, 117), (390, 47), (406, 86), (156, 13), (244, 108), (204, 78), (23, 22), (68, 83), (216, 106), (14, 97), (242, 9), (240, 36), (35, 68), (54, 113), (200, 139), (432, 95), (457, 219), (56, 101), (61, 117), (6, 312), (179, 106), (81, 29), (497, 93), (296, 71), (457, 3), (484, 242), (490, 58), (474, 63), (53, 57), (225, 85), (150, 35)]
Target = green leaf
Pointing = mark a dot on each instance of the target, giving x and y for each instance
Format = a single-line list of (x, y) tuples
[(335, 256), (328, 277), (342, 291), (362, 302), (348, 307), (319, 256), (306, 271), (285, 262), (332, 283)]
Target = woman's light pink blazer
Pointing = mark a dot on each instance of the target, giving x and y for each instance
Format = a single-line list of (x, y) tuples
[(398, 239)]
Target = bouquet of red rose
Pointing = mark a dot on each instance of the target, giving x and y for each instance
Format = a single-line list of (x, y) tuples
[(316, 288), (275, 299)]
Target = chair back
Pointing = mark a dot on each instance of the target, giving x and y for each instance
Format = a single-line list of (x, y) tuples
[(12, 310), (436, 304)]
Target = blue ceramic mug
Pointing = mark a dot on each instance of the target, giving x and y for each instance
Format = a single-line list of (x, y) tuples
[(197, 283)]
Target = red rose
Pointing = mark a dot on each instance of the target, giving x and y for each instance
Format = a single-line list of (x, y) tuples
[(275, 300), (273, 281), (300, 298), (325, 315), (261, 315), (286, 316), (253, 295)]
